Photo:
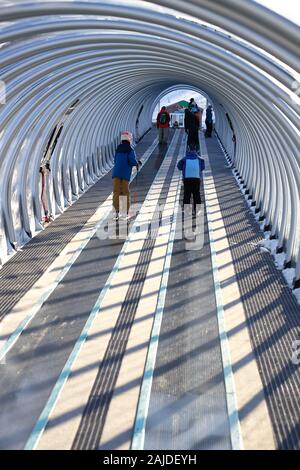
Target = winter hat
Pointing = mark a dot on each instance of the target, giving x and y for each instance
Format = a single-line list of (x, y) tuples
[(126, 135)]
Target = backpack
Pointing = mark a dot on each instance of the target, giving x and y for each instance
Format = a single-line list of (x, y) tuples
[(192, 168), (194, 108), (163, 118)]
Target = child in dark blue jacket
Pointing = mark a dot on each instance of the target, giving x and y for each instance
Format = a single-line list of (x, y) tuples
[(125, 160), (191, 166)]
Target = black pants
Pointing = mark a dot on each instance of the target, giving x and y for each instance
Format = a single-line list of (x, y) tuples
[(193, 138), (209, 129), (192, 188)]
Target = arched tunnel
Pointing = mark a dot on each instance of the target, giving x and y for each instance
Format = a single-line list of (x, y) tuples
[(74, 75)]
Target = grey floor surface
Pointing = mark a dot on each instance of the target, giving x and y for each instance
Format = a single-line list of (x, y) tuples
[(273, 315), (188, 408), (188, 404), (35, 362)]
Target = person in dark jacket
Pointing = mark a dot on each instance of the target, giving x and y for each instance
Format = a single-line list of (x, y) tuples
[(191, 166), (192, 126), (162, 124), (209, 121), (125, 160), (193, 107)]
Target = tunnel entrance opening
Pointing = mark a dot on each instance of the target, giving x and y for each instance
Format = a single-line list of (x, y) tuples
[(176, 102)]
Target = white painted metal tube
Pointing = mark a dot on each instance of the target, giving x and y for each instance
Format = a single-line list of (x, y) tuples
[(115, 58)]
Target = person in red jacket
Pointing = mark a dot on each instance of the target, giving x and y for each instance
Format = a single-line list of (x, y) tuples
[(163, 123)]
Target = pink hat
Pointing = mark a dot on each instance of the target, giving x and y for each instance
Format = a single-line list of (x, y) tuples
[(126, 135)]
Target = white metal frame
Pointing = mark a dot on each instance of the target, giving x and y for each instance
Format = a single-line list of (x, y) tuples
[(114, 56)]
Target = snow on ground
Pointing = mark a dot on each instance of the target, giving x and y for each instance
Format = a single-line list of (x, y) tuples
[(279, 260), (289, 275), (296, 293)]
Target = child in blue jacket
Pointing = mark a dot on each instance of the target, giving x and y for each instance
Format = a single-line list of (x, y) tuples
[(125, 160), (191, 166)]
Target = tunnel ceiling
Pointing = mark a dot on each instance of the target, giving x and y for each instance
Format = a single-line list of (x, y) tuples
[(116, 59)]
